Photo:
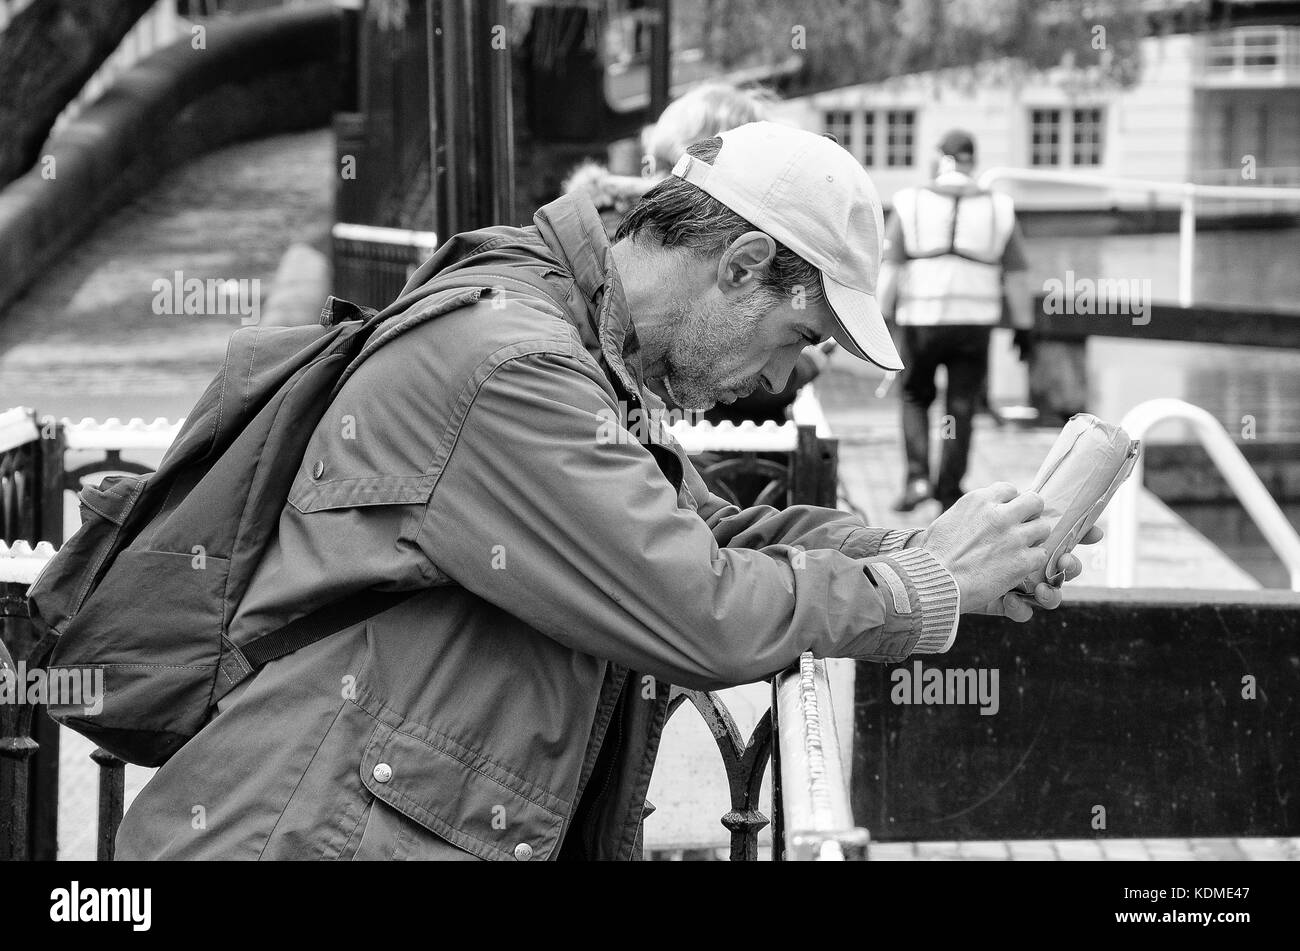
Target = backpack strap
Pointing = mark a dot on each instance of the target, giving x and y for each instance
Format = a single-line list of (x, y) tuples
[(339, 615), (314, 626)]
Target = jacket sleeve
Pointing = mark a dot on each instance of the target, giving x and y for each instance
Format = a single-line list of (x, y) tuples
[(543, 509)]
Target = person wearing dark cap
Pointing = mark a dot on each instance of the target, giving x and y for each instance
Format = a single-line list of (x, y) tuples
[(956, 255)]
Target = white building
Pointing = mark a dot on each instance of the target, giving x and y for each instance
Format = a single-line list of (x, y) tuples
[(1213, 108)]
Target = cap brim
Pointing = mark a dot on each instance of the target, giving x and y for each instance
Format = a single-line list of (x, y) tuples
[(861, 328)]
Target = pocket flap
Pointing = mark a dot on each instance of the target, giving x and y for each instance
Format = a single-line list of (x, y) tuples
[(448, 790)]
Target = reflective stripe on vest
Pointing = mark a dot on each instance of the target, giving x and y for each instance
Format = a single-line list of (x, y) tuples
[(954, 244)]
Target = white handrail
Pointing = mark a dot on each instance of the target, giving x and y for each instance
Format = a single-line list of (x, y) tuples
[(376, 234), (20, 563), (814, 784), (1121, 531), (1188, 192), (17, 428)]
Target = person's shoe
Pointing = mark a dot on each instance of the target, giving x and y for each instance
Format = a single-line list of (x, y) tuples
[(917, 491)]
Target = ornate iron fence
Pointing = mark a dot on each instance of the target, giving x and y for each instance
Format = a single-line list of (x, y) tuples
[(778, 464)]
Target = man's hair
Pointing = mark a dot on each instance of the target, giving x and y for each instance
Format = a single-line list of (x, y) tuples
[(676, 214)]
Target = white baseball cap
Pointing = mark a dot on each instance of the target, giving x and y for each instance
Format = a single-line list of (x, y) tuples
[(810, 194)]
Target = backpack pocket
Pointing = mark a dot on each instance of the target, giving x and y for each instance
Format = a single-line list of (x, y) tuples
[(149, 605), (59, 591)]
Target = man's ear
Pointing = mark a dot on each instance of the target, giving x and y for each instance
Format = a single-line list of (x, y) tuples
[(745, 262)]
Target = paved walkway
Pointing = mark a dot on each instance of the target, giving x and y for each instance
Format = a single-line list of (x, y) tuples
[(85, 341)]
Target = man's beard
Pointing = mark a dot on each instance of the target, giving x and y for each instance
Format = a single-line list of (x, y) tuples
[(708, 338)]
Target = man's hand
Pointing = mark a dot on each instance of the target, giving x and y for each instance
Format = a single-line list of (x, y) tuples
[(990, 541), (1020, 607)]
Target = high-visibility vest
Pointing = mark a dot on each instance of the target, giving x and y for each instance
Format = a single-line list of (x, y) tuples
[(954, 243)]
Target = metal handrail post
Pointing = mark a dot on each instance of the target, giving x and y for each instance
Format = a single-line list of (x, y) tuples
[(1121, 556), (1187, 193)]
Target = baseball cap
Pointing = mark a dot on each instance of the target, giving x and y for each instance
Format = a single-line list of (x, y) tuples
[(957, 143), (810, 194)]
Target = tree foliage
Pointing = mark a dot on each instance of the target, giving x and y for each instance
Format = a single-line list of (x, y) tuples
[(841, 42), (47, 54)]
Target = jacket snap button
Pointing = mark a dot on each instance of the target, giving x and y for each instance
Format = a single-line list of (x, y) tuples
[(318, 470), (382, 772), (523, 851)]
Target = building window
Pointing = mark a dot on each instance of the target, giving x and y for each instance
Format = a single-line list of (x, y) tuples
[(1045, 137), (1086, 137), (856, 131), (839, 123), (900, 125)]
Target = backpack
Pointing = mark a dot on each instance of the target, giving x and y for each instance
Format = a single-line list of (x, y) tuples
[(144, 592)]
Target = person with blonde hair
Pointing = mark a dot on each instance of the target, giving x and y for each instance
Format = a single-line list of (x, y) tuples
[(699, 114)]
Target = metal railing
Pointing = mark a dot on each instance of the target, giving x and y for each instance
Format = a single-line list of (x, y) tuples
[(1186, 192), (372, 264), (809, 785), (1122, 528)]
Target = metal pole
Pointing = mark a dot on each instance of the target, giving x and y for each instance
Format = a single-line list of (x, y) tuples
[(660, 55), (1186, 245)]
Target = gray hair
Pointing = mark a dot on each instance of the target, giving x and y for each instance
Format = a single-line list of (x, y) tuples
[(676, 214)]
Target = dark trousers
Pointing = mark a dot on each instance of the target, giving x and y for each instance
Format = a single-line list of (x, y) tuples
[(964, 350)]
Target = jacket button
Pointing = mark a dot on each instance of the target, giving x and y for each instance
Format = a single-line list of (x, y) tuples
[(318, 470), (523, 851), (382, 772)]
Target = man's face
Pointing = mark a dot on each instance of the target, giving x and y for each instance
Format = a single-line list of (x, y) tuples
[(728, 343)]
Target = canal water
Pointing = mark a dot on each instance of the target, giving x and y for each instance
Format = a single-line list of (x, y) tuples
[(1248, 389)]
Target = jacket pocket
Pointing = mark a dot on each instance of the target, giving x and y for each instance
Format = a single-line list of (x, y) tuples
[(387, 835), (458, 795)]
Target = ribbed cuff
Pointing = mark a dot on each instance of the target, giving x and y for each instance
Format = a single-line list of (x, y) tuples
[(939, 598), (896, 539)]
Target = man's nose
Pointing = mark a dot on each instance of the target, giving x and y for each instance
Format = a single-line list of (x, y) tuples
[(776, 375)]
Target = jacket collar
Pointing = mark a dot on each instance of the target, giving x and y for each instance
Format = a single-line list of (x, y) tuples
[(573, 231)]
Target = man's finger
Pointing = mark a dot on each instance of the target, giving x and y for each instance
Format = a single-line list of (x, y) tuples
[(1047, 596), (1070, 565), (1023, 507), (1034, 531), (1002, 491), (1094, 535), (1017, 608)]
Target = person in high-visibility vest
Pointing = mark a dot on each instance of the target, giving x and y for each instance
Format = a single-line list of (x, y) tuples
[(956, 256)]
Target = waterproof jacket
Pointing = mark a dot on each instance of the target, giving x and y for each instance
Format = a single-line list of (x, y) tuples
[(570, 568)]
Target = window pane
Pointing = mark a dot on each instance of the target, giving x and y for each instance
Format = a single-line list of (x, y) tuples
[(1086, 137), (868, 155), (899, 125), (1045, 137), (839, 123)]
